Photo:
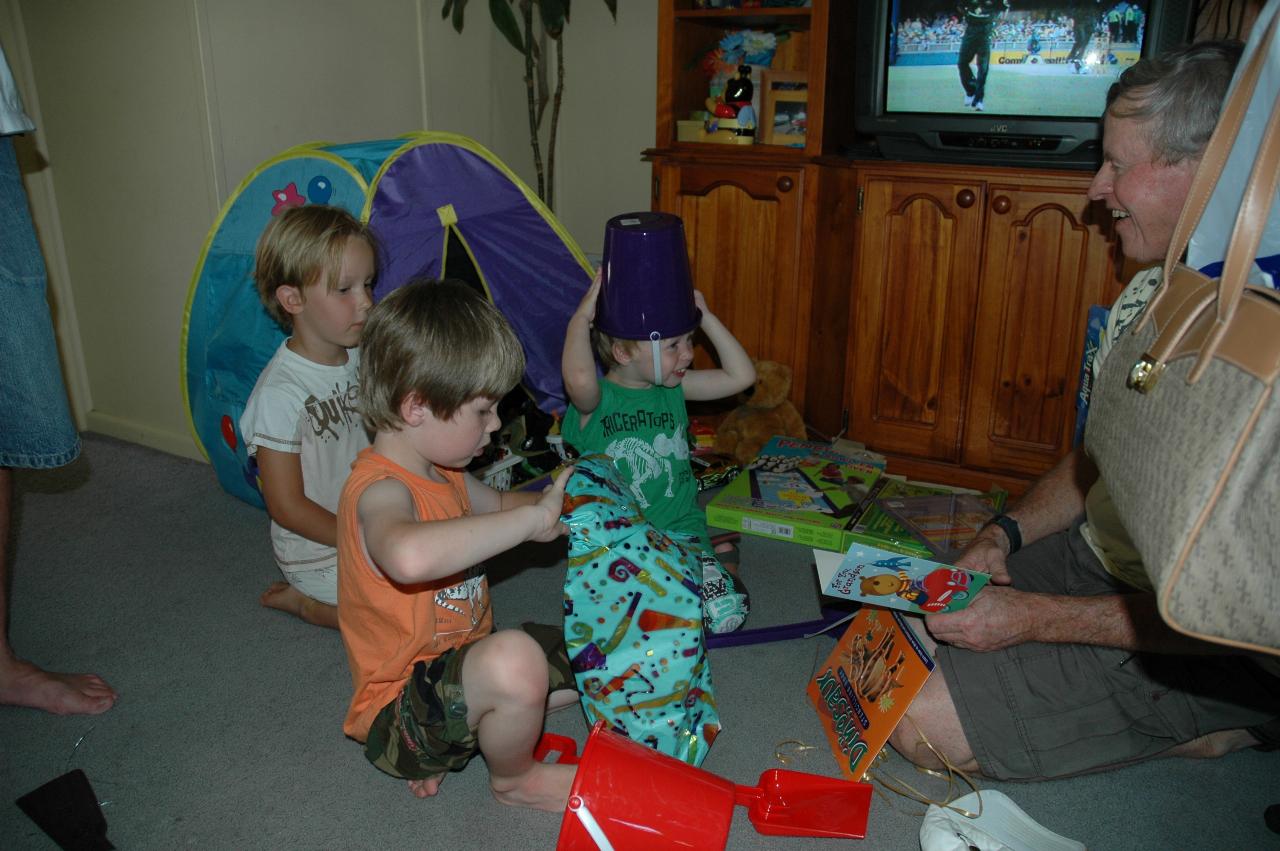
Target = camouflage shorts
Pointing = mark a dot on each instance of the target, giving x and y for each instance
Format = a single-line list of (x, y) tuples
[(424, 732)]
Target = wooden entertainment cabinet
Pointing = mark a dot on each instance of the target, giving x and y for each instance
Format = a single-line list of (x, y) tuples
[(935, 312)]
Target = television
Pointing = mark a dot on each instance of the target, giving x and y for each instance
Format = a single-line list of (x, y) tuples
[(1038, 102)]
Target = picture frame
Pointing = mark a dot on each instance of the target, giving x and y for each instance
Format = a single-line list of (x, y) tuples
[(784, 107)]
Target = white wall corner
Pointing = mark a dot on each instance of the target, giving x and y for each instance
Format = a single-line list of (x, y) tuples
[(145, 434)]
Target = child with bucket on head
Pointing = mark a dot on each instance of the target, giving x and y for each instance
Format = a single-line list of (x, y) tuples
[(314, 271), (639, 316), (433, 683)]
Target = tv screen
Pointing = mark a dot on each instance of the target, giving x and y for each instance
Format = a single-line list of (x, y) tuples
[(987, 80)]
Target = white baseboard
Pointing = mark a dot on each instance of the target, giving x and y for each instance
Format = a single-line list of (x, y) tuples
[(182, 445)]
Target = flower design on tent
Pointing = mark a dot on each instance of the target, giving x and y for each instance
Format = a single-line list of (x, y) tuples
[(286, 198)]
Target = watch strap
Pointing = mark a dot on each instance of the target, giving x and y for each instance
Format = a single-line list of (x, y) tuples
[(1011, 530)]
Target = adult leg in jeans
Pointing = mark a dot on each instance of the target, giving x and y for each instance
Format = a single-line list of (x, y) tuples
[(37, 433)]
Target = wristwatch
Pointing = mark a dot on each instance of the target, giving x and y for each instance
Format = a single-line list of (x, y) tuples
[(1011, 530)]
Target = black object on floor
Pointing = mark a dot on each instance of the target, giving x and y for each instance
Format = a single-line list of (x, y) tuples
[(67, 809), (1272, 816)]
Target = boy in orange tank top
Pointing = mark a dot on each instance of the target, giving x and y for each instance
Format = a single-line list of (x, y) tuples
[(434, 684)]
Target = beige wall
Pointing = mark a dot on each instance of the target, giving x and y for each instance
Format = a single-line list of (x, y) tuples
[(151, 112), (610, 103)]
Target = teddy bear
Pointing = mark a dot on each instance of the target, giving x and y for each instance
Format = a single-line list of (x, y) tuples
[(764, 412)]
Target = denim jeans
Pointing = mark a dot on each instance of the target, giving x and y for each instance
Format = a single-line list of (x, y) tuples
[(36, 429)]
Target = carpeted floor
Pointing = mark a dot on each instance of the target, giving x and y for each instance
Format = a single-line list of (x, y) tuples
[(227, 734)]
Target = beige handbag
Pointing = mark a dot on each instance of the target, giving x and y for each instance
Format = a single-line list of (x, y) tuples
[(1185, 418)]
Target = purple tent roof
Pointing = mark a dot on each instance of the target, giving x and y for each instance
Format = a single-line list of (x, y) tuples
[(529, 267)]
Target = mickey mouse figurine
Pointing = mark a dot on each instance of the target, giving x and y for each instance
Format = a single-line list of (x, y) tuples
[(737, 95)]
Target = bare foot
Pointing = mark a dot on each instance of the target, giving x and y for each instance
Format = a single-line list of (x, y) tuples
[(427, 788), (286, 598), (23, 684), (1214, 745), (282, 596), (542, 787)]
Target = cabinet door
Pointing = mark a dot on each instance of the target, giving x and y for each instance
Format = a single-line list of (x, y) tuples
[(914, 289), (1043, 267), (742, 223)]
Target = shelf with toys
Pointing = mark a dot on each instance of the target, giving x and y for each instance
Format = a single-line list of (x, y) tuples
[(770, 58), (755, 214)]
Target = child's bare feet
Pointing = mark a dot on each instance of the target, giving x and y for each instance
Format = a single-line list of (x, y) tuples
[(545, 786), (427, 788), (286, 598), (23, 684)]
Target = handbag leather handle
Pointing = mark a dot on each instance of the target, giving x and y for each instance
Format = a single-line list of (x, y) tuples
[(1246, 236)]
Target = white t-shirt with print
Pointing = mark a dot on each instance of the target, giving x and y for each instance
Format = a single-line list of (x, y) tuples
[(309, 409)]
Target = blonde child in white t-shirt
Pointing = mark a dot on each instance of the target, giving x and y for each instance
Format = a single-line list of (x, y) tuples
[(314, 271)]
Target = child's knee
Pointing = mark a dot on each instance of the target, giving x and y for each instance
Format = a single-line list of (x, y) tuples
[(510, 661)]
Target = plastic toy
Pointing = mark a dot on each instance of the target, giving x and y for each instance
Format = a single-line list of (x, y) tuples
[(646, 290), (626, 796), (737, 94)]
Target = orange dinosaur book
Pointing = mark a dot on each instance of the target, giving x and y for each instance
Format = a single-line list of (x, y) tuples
[(864, 688)]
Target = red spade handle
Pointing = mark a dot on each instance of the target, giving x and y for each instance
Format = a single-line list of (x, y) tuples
[(565, 748)]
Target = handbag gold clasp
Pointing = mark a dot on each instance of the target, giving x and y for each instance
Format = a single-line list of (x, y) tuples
[(1145, 373)]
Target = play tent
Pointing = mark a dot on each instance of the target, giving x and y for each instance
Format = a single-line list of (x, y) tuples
[(428, 198)]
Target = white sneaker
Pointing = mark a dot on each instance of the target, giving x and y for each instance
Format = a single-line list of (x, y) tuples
[(977, 104), (1003, 825), (968, 100)]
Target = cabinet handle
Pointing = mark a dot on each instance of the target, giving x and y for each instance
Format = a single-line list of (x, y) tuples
[(965, 198), (1002, 204), (785, 183)]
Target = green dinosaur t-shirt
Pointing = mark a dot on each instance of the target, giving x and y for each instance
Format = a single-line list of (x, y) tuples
[(645, 431)]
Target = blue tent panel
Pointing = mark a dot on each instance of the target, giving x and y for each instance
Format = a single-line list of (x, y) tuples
[(229, 335)]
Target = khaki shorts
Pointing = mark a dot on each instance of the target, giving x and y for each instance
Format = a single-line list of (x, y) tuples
[(1038, 711), (424, 732)]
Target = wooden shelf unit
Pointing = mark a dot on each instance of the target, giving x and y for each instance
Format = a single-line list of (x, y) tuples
[(935, 312)]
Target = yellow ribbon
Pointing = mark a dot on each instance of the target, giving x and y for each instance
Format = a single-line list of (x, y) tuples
[(906, 790)]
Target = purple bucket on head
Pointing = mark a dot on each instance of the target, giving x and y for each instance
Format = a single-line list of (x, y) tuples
[(646, 288)]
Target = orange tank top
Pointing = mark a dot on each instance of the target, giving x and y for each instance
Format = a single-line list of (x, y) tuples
[(387, 627)]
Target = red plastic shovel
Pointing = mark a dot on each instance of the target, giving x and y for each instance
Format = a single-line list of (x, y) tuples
[(628, 796)]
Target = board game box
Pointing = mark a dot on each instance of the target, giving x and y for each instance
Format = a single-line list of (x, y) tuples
[(881, 526), (798, 490), (945, 523)]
